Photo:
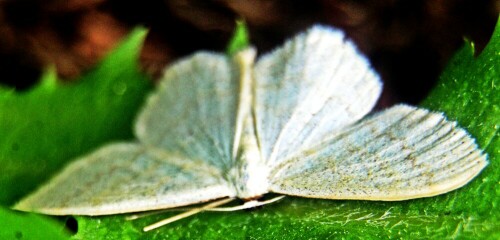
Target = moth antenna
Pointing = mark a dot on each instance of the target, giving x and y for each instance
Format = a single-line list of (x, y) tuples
[(186, 214), (246, 205)]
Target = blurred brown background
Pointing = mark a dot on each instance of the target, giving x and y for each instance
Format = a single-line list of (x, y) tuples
[(408, 42)]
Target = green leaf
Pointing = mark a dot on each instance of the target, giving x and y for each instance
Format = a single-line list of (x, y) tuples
[(45, 127), (467, 92), (239, 40), (29, 226)]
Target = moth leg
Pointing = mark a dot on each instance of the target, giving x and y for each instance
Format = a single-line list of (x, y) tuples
[(187, 214), (246, 205), (136, 216)]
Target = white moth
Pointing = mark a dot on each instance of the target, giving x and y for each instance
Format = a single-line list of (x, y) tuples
[(290, 123)]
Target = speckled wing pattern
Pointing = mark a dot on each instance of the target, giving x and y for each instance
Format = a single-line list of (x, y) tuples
[(316, 83), (190, 119), (193, 111), (127, 177), (401, 153)]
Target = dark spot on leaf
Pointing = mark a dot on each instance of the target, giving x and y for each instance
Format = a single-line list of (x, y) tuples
[(72, 225), (19, 235)]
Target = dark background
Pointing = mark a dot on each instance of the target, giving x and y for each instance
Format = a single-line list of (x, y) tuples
[(408, 42)]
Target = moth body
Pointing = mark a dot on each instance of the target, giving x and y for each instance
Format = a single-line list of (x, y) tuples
[(292, 122)]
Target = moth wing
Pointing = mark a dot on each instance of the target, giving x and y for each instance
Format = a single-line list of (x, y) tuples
[(127, 177), (401, 153), (193, 110), (316, 83)]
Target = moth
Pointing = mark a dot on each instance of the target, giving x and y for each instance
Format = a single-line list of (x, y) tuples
[(294, 122)]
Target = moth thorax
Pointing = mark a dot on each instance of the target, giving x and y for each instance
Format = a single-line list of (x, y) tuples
[(252, 176)]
